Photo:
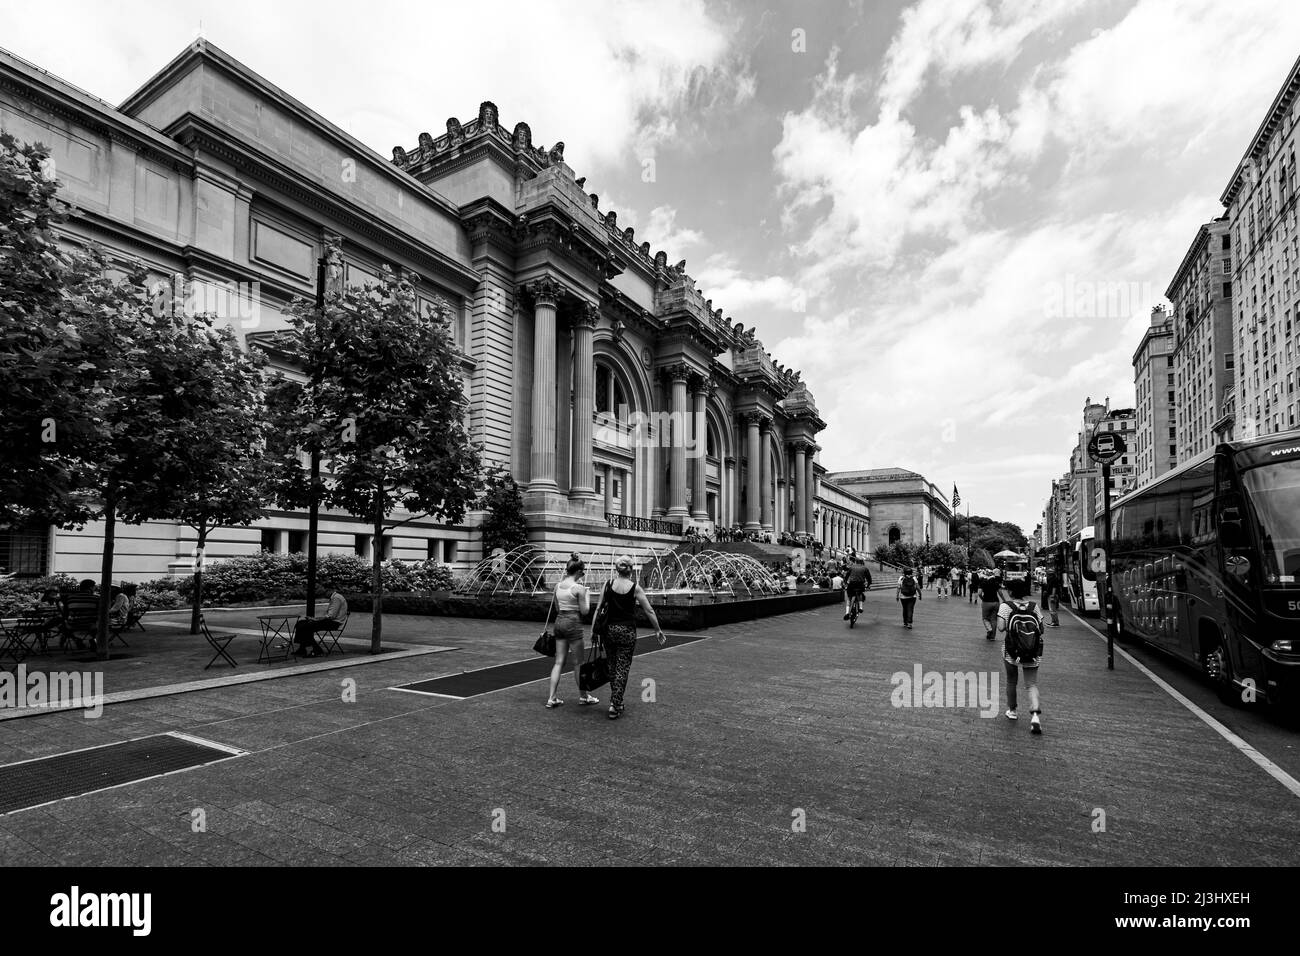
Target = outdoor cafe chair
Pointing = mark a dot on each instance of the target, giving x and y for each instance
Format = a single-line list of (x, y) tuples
[(15, 641), (330, 639), (219, 642), (135, 617)]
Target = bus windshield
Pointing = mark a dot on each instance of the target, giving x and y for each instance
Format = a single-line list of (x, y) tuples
[(1274, 491), (1085, 559)]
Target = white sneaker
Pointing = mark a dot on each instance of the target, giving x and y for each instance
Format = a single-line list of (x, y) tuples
[(1034, 726), (1012, 715)]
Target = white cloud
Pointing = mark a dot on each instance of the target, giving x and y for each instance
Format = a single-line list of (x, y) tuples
[(597, 80)]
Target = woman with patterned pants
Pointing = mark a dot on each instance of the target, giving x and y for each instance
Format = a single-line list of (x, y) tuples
[(624, 596)]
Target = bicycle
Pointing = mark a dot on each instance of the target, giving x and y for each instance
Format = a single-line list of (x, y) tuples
[(855, 608)]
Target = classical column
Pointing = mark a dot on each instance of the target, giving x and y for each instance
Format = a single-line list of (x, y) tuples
[(624, 498), (765, 456), (752, 476), (727, 505), (582, 480), (677, 375), (545, 294), (800, 491), (609, 489), (699, 498), (809, 493)]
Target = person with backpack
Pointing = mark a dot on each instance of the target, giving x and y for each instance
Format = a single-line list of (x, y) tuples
[(1022, 649), (988, 586), (908, 593)]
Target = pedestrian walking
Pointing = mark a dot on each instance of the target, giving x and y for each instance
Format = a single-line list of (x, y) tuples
[(624, 596), (907, 594), (941, 584), (1051, 595), (988, 585), (1022, 650), (954, 582), (572, 603)]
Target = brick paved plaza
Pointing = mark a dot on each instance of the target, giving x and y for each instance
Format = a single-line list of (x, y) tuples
[(749, 727)]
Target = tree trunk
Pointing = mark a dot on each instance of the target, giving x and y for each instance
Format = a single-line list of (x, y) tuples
[(377, 580), (106, 577), (197, 605)]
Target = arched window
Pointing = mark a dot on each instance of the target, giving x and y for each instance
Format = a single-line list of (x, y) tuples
[(609, 391), (895, 534)]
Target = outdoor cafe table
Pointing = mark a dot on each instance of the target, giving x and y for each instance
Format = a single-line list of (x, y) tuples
[(276, 627)]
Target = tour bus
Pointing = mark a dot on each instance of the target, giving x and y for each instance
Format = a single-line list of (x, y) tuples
[(1080, 580), (1206, 564)]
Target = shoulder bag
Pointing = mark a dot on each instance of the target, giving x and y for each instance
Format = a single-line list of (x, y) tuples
[(546, 643), (600, 623)]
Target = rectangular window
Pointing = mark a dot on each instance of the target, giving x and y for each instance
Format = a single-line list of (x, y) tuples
[(449, 552), (270, 537), (297, 542), (361, 545), (1227, 290), (434, 547)]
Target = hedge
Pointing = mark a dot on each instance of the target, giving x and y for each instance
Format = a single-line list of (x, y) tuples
[(263, 577)]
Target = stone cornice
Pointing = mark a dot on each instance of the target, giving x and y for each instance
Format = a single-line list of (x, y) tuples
[(200, 134), (80, 108)]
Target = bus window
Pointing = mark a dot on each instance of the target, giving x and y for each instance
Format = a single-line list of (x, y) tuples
[(1274, 492)]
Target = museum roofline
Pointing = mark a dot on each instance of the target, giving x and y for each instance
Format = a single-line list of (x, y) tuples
[(206, 52)]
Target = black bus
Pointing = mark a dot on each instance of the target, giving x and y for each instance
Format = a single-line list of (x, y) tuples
[(1206, 565)]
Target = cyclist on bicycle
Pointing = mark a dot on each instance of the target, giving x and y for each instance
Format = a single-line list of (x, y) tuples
[(856, 582)]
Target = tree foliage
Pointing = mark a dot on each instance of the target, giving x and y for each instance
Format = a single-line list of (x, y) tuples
[(980, 533), (504, 525), (383, 401)]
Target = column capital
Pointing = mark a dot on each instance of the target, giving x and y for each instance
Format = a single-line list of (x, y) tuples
[(765, 423), (586, 316), (676, 372), (702, 385), (543, 291)]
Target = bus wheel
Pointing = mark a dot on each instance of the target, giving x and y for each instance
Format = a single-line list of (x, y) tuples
[(1218, 668)]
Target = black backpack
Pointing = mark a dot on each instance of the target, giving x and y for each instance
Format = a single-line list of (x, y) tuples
[(908, 587), (1024, 642)]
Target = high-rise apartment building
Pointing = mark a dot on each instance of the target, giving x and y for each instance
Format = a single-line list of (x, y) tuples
[(1261, 210), (1154, 449), (1204, 362)]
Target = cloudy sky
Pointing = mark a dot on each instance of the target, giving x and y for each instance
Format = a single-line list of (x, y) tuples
[(911, 201)]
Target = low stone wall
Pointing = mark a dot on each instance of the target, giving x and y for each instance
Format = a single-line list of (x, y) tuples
[(691, 615)]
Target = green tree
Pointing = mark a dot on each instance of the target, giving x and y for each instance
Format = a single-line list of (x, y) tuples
[(42, 365), (219, 474), (383, 398), (504, 525)]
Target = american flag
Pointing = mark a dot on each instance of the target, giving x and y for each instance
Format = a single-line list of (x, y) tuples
[(956, 496)]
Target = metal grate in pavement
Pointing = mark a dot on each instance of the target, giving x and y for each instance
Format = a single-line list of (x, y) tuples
[(33, 783), (488, 679)]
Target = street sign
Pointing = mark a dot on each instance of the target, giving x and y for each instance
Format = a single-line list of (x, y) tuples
[(1097, 561), (1105, 447)]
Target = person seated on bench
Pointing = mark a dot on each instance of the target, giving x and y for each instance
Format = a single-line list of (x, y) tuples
[(80, 610), (305, 630)]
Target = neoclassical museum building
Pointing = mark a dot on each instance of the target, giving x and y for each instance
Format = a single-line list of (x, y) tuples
[(623, 400)]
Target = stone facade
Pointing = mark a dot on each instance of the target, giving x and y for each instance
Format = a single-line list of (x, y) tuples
[(904, 506), (1260, 207), (623, 401), (1155, 448), (1204, 363)]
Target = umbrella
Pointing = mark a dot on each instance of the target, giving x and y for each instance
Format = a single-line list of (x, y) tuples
[(1008, 554)]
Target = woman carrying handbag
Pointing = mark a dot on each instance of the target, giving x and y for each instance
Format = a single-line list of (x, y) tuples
[(572, 604), (623, 595)]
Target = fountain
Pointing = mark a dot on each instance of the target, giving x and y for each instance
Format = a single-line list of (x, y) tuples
[(666, 576)]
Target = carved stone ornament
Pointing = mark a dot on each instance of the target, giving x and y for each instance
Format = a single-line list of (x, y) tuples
[(556, 155), (523, 137), (544, 291), (333, 265), (426, 144), (647, 359), (399, 156), (455, 134), (587, 316), (487, 115)]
